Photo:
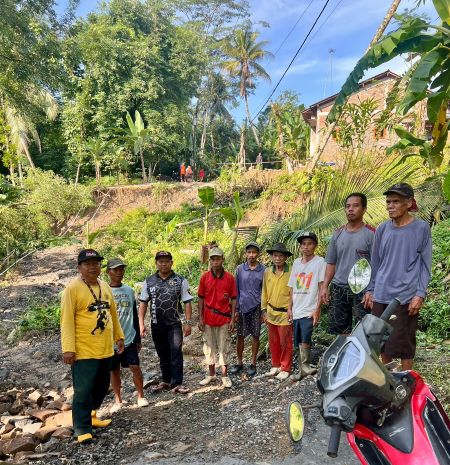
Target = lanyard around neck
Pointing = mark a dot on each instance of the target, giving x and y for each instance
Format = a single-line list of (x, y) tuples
[(92, 291)]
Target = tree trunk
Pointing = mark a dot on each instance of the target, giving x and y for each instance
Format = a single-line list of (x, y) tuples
[(77, 175), (19, 166), (97, 172), (213, 146), (141, 156), (203, 139), (247, 110), (242, 146), (321, 147)]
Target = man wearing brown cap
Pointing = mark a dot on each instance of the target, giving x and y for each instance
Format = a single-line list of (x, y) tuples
[(401, 268), (167, 292), (216, 307), (89, 329)]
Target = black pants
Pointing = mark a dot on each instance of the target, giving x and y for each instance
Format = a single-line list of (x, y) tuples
[(90, 385), (344, 306), (168, 344)]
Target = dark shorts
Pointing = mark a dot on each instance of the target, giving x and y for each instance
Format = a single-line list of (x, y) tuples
[(130, 356), (344, 306), (249, 323), (303, 329), (402, 343)]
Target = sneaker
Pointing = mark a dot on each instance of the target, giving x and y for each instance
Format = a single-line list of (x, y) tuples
[(235, 369), (142, 402), (251, 370), (282, 375), (226, 381), (273, 371), (84, 438), (207, 380), (115, 408)]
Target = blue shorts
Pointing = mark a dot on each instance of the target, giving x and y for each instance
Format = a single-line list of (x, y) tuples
[(129, 357), (303, 329)]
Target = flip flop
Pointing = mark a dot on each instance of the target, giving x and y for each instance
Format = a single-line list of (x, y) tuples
[(181, 389), (161, 387)]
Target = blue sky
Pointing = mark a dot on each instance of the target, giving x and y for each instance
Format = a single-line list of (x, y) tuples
[(346, 26)]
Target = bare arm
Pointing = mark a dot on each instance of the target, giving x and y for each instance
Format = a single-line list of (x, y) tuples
[(201, 324), (188, 313), (290, 304), (330, 271), (142, 312)]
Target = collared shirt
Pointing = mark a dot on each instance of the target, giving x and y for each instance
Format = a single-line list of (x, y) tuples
[(275, 295), (249, 287), (165, 296), (217, 292)]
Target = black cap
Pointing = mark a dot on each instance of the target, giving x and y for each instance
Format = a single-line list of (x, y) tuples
[(88, 254), (279, 247), (401, 188), (308, 235), (114, 263), (163, 254), (253, 244)]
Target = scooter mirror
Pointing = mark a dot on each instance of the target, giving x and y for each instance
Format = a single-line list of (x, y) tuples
[(359, 277), (295, 421)]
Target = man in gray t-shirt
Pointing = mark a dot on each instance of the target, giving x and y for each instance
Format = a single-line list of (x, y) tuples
[(348, 244)]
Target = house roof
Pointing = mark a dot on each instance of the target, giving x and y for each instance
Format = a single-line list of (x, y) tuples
[(311, 110)]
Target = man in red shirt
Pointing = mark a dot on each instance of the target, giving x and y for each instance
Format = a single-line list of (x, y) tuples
[(216, 306)]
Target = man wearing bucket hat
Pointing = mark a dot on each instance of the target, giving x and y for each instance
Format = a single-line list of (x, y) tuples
[(276, 314), (89, 328), (401, 268), (216, 307), (307, 275), (129, 321), (249, 278)]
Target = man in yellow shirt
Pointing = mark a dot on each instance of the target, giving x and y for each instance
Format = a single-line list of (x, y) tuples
[(275, 300), (89, 329)]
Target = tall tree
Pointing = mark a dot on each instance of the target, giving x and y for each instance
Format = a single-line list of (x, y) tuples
[(245, 54)]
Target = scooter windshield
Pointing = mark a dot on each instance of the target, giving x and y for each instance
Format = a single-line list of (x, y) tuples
[(347, 364)]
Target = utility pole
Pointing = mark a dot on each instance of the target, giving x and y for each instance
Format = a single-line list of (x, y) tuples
[(329, 78)]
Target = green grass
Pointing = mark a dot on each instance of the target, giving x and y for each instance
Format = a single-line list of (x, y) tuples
[(38, 318)]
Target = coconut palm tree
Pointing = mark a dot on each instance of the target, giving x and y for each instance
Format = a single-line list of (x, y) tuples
[(244, 54)]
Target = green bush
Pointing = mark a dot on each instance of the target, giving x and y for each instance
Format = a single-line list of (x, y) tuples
[(435, 315), (40, 318)]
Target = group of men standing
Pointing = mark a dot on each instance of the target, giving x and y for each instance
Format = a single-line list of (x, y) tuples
[(287, 299)]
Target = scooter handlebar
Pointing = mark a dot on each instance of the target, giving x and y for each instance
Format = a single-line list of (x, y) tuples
[(333, 444), (390, 309)]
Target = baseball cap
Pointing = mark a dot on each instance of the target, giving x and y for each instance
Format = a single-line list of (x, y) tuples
[(254, 245), (308, 235), (114, 263), (215, 252), (401, 188), (163, 254), (88, 254)]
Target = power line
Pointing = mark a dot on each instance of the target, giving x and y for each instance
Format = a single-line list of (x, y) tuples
[(292, 61), (293, 27)]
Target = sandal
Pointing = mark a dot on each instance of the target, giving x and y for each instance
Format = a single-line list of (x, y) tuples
[(161, 387), (181, 389)]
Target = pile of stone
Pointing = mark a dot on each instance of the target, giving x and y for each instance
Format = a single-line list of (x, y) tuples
[(31, 418)]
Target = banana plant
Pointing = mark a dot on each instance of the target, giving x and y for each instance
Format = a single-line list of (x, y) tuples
[(207, 197), (430, 81), (233, 216)]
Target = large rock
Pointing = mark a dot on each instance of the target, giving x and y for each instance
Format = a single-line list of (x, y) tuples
[(55, 405), (10, 434), (16, 407), (13, 418), (6, 428), (31, 428), (62, 433), (45, 432), (63, 419), (4, 407), (36, 397), (43, 414), (12, 446)]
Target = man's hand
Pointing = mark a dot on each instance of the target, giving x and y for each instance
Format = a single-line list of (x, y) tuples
[(69, 358), (367, 300), (231, 325), (289, 316), (264, 317), (415, 305), (187, 330), (324, 295), (201, 326), (143, 329), (236, 317), (316, 317), (120, 346)]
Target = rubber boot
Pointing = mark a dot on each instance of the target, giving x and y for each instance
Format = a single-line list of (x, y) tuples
[(97, 422), (299, 375), (305, 358)]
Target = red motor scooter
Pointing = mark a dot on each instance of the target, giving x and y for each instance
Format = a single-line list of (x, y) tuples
[(389, 418)]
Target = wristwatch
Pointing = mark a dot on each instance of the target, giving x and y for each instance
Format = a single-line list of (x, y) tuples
[(187, 322)]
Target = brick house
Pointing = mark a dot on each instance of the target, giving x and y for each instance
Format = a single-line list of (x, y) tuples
[(376, 88)]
